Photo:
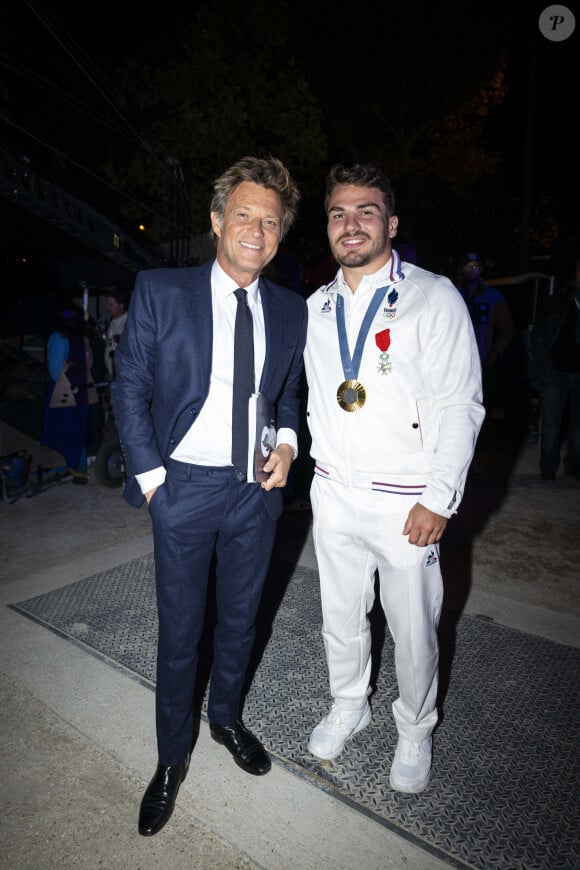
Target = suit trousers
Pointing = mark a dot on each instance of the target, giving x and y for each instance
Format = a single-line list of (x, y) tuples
[(200, 511), (356, 533)]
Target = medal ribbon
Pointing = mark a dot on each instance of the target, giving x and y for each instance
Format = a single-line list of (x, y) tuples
[(351, 366), (383, 340)]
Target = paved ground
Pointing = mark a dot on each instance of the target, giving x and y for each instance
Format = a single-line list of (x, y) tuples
[(78, 744)]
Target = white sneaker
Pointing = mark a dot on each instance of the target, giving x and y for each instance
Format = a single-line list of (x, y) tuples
[(328, 738), (411, 765)]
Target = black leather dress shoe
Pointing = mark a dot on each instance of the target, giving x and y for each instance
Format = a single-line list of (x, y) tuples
[(247, 751), (159, 799)]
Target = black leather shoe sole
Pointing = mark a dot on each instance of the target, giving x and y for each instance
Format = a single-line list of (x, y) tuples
[(159, 798), (245, 748)]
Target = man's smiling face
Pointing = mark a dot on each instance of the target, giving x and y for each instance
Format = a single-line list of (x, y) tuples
[(249, 234), (359, 229)]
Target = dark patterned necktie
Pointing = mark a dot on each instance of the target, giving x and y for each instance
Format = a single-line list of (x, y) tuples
[(243, 380)]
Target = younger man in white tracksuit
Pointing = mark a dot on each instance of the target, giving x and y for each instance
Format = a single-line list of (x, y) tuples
[(394, 411)]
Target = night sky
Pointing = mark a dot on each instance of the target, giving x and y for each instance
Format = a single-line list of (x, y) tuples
[(343, 48)]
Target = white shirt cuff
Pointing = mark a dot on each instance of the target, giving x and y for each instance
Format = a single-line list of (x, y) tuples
[(288, 436), (151, 479)]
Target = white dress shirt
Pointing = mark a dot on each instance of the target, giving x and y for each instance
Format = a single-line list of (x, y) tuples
[(209, 439)]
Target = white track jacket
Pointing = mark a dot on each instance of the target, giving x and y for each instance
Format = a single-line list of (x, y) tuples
[(421, 372)]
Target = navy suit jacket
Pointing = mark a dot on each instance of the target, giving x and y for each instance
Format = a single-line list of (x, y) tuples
[(163, 363)]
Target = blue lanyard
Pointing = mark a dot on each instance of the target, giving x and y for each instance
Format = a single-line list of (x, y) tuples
[(351, 366)]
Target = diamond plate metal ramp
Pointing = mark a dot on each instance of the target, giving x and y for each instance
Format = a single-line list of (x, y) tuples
[(505, 783)]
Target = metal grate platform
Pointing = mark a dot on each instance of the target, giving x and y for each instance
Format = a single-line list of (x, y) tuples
[(505, 787)]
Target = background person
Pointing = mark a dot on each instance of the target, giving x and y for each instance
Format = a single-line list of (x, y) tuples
[(70, 391), (494, 331), (117, 303), (172, 399), (555, 370), (394, 410)]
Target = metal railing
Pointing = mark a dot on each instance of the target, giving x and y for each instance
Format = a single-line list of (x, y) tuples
[(24, 187)]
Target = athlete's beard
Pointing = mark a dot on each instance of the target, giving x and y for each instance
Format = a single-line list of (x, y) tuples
[(355, 259)]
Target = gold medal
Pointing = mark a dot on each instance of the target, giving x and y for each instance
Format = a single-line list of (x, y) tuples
[(351, 395)]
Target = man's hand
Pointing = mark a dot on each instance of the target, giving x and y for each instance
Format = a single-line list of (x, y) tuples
[(423, 526), (149, 495), (279, 462)]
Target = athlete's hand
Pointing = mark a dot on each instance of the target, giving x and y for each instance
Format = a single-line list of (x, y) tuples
[(423, 526)]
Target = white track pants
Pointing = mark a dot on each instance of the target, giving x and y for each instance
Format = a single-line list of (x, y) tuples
[(356, 532)]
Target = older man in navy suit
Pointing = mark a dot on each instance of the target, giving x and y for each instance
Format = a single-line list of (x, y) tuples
[(174, 407)]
